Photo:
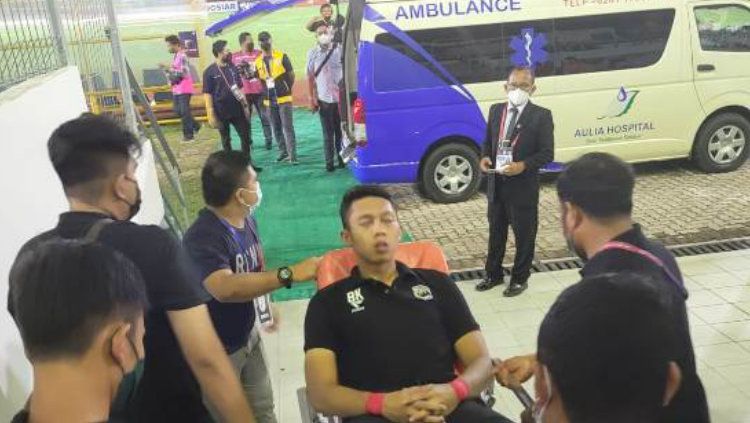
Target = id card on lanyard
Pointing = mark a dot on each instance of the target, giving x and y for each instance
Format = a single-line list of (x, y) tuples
[(505, 147), (262, 304)]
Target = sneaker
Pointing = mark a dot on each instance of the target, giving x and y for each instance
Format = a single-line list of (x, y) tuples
[(197, 128), (257, 169), (294, 162), (330, 168), (269, 147), (282, 158)]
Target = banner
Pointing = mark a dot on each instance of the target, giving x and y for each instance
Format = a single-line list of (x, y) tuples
[(246, 10)]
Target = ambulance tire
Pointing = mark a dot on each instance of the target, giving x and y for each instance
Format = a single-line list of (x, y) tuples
[(458, 162), (717, 135)]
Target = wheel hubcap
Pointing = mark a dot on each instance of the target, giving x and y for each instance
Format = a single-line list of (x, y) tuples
[(726, 144), (453, 175)]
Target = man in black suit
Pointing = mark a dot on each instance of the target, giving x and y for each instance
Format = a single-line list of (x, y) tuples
[(525, 131)]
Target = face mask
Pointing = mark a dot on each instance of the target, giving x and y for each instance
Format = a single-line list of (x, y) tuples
[(128, 386), (250, 46), (265, 45), (325, 39), (227, 59), (572, 247), (252, 208), (518, 97), (136, 206), (539, 411)]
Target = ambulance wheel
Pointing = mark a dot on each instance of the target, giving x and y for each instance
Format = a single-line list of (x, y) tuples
[(450, 173), (722, 144)]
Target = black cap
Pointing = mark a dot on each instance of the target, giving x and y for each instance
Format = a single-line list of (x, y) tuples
[(264, 36)]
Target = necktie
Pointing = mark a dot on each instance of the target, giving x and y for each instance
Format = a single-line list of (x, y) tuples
[(512, 124)]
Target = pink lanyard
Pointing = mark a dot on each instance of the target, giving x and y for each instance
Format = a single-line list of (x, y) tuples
[(617, 245), (503, 128)]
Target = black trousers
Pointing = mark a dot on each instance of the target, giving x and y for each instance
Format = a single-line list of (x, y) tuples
[(330, 121), (524, 220), (242, 126), (467, 412)]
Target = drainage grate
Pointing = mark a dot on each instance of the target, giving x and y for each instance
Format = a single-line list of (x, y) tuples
[(574, 263)]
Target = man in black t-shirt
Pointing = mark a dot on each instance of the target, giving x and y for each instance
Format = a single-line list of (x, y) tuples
[(225, 245), (94, 158), (79, 308), (596, 195), (605, 353), (382, 344), (225, 103)]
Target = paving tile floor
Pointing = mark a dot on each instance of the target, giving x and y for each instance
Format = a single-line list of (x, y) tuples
[(719, 307)]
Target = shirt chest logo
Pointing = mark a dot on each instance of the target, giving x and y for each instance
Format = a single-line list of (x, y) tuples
[(422, 292), (355, 299)]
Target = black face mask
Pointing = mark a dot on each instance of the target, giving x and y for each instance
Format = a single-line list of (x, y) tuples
[(136, 206), (250, 46), (265, 45), (227, 59)]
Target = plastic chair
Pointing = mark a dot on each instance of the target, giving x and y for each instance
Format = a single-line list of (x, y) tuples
[(338, 264)]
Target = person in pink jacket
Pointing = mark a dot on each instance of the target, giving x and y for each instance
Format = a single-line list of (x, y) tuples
[(181, 79)]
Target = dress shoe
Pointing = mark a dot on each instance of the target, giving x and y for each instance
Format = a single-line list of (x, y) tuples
[(488, 283), (515, 289), (282, 157)]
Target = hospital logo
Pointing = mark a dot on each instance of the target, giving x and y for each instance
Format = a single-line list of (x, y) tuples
[(529, 49), (355, 299), (422, 292), (621, 105)]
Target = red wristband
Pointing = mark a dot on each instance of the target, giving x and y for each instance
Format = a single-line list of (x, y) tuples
[(374, 404), (461, 388)]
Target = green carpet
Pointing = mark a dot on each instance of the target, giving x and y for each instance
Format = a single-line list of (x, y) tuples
[(299, 216)]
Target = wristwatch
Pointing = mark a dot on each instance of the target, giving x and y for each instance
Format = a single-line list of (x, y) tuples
[(286, 277)]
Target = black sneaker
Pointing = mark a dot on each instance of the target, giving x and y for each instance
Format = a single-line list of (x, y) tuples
[(269, 147), (488, 283), (330, 168), (515, 289), (257, 169), (282, 157)]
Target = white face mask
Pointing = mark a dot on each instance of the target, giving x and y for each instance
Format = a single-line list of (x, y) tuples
[(539, 411), (252, 208), (325, 39), (518, 97)]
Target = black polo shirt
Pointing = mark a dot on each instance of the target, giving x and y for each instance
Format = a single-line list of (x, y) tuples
[(689, 405), (388, 338), (168, 391)]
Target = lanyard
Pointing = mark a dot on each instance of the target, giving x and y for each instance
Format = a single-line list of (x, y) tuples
[(242, 245), (503, 129), (226, 81), (616, 245)]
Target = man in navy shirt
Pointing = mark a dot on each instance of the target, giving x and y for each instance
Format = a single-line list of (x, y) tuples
[(596, 195), (225, 245), (225, 103)]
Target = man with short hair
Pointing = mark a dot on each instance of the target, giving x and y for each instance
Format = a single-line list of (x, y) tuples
[(181, 79), (79, 308), (251, 85), (225, 244), (382, 345), (95, 159), (596, 198), (324, 73), (605, 353), (334, 26), (519, 141), (277, 75), (225, 103)]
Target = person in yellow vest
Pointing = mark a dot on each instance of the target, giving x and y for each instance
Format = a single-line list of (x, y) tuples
[(276, 73)]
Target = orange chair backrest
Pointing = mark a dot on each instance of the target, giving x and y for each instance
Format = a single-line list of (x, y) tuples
[(338, 264)]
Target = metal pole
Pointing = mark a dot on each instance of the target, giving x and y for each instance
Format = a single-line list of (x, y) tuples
[(58, 34), (118, 57)]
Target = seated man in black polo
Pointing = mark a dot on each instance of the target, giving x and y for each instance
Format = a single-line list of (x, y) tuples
[(382, 344)]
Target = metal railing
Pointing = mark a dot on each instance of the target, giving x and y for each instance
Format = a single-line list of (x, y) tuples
[(30, 42), (40, 36)]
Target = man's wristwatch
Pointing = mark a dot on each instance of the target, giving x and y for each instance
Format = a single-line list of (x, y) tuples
[(286, 277)]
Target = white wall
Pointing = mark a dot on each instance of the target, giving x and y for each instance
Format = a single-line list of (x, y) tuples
[(33, 197)]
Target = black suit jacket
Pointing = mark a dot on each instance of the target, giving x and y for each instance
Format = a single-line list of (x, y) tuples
[(535, 147)]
